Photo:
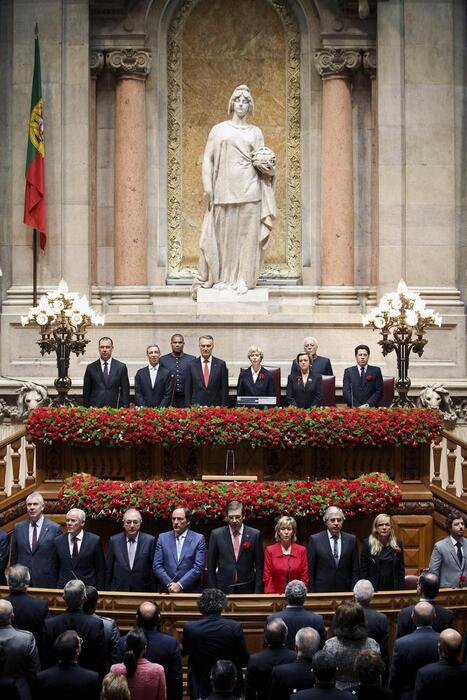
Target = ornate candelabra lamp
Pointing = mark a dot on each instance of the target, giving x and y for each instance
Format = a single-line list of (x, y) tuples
[(402, 318), (63, 318)]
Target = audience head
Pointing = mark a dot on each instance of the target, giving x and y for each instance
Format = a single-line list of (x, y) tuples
[(363, 591), (90, 602), (286, 528), (6, 613), (136, 643), (206, 345), (177, 343), (455, 524), (362, 355), (333, 519), (235, 515), (324, 668), (223, 676), (307, 642), (115, 687), (450, 645), (275, 634), (147, 616), (106, 346), (423, 614), (67, 646), (18, 578), (295, 592), (212, 601), (132, 522), (369, 667), (428, 585), (75, 519), (310, 345), (74, 594), (181, 518), (35, 505), (350, 622)]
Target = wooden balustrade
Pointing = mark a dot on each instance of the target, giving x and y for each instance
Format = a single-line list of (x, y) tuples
[(16, 450)]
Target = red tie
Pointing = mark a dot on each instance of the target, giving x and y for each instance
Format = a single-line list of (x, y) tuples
[(236, 544), (206, 373)]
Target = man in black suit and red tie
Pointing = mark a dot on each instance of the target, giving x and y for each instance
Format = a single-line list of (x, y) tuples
[(130, 555), (106, 380), (153, 383), (363, 383), (79, 553), (333, 556), (207, 378), (235, 554)]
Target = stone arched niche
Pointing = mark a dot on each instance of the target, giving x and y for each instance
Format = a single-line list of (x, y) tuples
[(214, 45)]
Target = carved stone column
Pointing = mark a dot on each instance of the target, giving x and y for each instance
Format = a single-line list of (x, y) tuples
[(96, 65), (131, 67), (369, 66), (336, 67)]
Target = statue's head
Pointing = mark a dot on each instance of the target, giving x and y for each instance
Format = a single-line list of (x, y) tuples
[(242, 91)]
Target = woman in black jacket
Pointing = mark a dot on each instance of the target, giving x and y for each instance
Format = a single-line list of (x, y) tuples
[(304, 390), (382, 557)]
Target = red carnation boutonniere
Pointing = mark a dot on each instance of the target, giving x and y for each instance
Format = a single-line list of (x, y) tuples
[(246, 545), (397, 550), (369, 377), (261, 375)]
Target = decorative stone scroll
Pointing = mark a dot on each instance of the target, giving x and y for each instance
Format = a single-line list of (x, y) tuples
[(129, 63), (369, 63), (337, 63), (96, 63)]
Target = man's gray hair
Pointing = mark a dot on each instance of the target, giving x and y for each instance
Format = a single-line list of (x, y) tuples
[(295, 592), (332, 509), (35, 494), (18, 578), (307, 641), (6, 613), (363, 591), (132, 510), (74, 594), (81, 514)]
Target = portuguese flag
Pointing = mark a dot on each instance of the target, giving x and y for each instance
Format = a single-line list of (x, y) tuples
[(34, 196)]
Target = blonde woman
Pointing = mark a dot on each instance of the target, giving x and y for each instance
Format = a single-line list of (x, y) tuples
[(255, 380), (284, 561), (382, 557)]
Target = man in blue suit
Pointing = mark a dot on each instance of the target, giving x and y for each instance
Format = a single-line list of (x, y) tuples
[(319, 365), (179, 557), (129, 558), (33, 544), (363, 383), (153, 383)]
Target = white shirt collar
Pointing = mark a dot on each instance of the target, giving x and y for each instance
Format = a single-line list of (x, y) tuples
[(109, 362), (203, 360), (39, 522), (154, 369), (454, 541), (332, 536), (240, 531)]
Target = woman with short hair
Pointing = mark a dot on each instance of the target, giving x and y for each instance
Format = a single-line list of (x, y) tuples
[(286, 560), (255, 380)]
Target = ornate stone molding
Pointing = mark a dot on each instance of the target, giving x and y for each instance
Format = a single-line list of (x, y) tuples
[(129, 63), (337, 63), (96, 63), (370, 63)]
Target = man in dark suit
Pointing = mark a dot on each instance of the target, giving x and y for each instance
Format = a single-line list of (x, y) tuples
[(298, 675), (412, 652), (19, 651), (212, 638), (260, 665), (318, 364), (129, 557), (79, 553), (427, 588), (363, 383), (179, 556), (29, 612), (106, 380), (295, 616), (89, 628), (177, 363), (377, 622), (67, 679), (235, 554), (111, 631), (4, 554), (332, 556), (33, 544), (153, 383), (161, 648), (324, 672), (207, 378), (446, 677)]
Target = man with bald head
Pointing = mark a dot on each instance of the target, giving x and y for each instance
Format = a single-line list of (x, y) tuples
[(319, 364), (130, 555), (413, 651), (79, 553), (161, 648), (446, 677), (427, 589)]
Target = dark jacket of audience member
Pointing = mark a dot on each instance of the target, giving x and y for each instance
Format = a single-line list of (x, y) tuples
[(428, 588), (295, 616), (29, 612), (297, 675), (260, 665), (20, 659), (111, 631)]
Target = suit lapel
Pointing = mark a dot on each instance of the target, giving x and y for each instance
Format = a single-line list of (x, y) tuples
[(212, 372), (25, 535), (185, 545), (228, 542), (125, 550), (43, 533), (84, 545), (173, 543)]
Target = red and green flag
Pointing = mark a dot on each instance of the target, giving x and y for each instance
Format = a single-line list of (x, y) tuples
[(34, 196)]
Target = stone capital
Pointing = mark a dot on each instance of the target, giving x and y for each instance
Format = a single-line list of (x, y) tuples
[(96, 63), (129, 63), (337, 63), (369, 63)]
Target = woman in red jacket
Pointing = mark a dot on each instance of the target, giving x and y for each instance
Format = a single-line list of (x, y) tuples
[(285, 560)]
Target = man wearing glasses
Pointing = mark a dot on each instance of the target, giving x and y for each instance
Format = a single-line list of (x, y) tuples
[(235, 554)]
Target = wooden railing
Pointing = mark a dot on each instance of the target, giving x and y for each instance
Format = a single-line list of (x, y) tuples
[(17, 463)]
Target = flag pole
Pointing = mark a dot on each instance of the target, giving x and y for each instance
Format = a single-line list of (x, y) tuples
[(34, 267)]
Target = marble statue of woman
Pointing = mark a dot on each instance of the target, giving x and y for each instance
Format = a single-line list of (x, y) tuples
[(238, 182)]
